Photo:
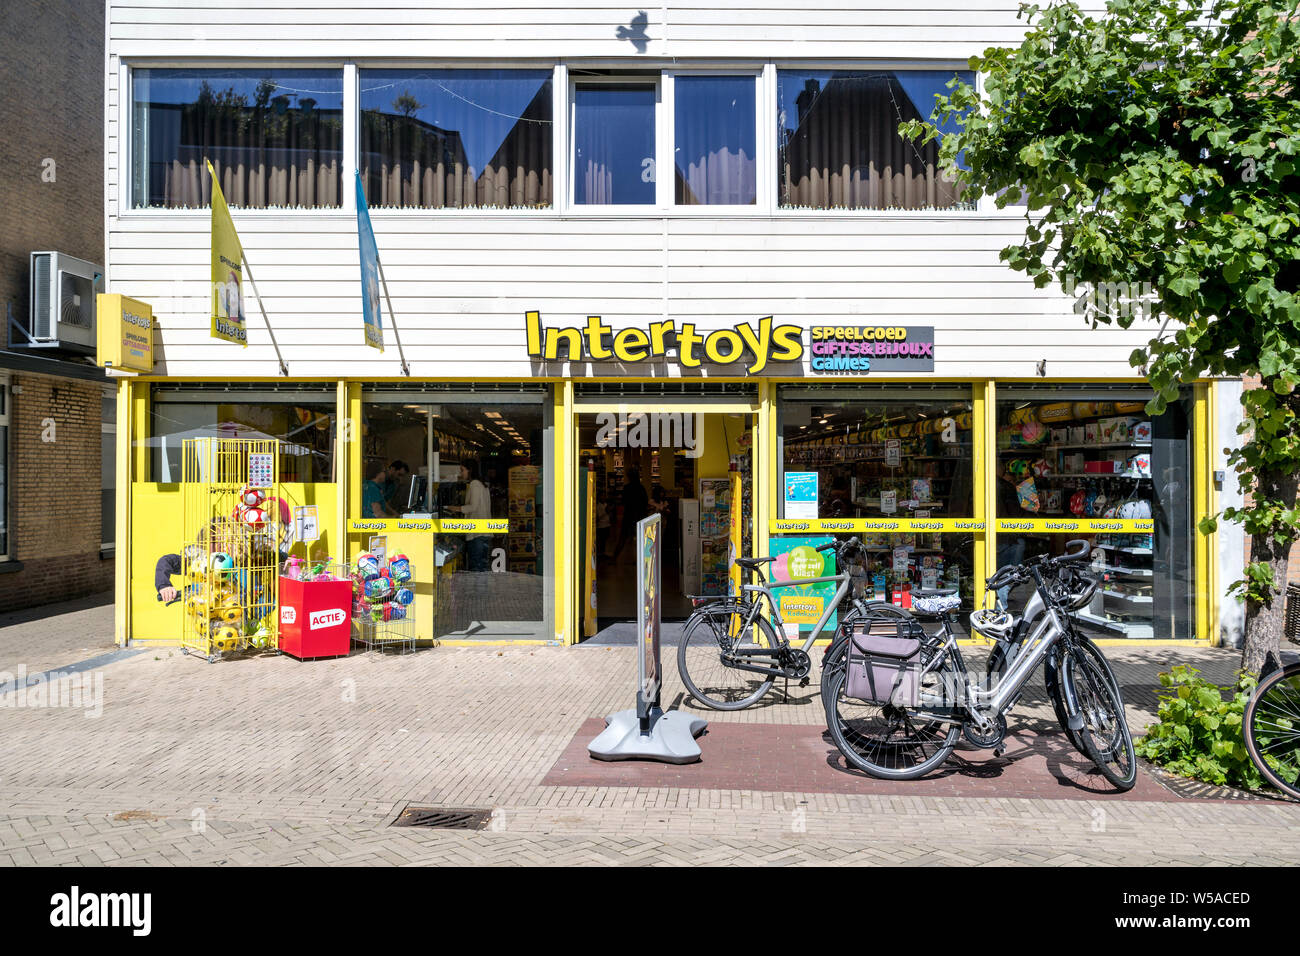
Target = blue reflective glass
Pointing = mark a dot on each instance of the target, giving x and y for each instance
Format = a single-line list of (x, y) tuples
[(456, 138), (614, 144), (275, 136), (838, 139), (713, 149)]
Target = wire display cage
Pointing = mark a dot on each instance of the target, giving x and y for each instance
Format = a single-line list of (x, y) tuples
[(229, 551), (383, 609)]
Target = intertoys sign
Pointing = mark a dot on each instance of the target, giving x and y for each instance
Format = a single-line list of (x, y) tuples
[(754, 347), (861, 349)]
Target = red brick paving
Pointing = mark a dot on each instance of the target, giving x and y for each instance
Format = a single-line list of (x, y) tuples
[(795, 758)]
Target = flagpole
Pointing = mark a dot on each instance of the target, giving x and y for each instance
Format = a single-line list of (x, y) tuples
[(392, 316), (284, 369)]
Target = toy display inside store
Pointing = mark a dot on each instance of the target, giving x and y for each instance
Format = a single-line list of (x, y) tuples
[(904, 457), (1103, 456)]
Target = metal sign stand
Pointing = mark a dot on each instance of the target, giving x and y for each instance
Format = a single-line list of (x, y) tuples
[(645, 732)]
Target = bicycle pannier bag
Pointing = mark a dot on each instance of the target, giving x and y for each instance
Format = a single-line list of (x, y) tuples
[(884, 663)]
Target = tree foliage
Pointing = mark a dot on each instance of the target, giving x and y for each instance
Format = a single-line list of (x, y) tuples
[(1155, 148)]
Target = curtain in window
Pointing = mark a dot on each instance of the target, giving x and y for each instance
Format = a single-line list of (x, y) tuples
[(411, 161), (715, 141), (841, 149), (270, 149)]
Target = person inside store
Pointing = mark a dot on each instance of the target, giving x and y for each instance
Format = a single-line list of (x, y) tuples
[(636, 504), (602, 526), (1011, 547), (478, 504), (839, 504), (662, 505), (397, 489), (373, 504)]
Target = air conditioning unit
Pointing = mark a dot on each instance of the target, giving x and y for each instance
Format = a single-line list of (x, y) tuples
[(63, 302)]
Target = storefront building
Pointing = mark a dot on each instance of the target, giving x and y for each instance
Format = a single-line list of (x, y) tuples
[(676, 261)]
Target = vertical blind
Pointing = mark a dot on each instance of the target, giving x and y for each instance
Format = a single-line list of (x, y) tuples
[(275, 137)]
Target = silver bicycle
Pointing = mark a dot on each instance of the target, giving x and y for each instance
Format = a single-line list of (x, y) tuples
[(898, 707), (734, 648)]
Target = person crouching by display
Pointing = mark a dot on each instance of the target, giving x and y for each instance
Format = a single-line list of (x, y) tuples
[(478, 504)]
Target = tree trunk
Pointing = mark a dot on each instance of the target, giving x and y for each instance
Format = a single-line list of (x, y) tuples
[(1264, 621)]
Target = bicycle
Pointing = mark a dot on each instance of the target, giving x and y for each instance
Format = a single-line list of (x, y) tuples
[(905, 730), (731, 638), (1271, 727)]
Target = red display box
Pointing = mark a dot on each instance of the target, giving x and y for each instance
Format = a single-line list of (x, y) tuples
[(315, 618)]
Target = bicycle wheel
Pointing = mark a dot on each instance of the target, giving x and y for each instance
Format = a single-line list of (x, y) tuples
[(706, 663), (1271, 725), (890, 742), (1105, 735)]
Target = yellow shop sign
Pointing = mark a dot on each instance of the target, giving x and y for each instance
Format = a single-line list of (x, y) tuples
[(123, 333), (752, 346)]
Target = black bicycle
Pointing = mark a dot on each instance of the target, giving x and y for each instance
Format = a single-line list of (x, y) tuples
[(1271, 726)]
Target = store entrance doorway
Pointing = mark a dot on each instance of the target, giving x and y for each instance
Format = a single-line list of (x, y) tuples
[(694, 466)]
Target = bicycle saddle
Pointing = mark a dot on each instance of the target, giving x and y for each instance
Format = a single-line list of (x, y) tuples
[(753, 563), (935, 603)]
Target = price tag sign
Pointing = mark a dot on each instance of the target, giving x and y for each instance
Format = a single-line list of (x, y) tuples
[(900, 560), (379, 547), (893, 453), (306, 523), (889, 502)]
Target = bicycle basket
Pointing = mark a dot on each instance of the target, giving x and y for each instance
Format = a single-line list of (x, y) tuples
[(884, 663)]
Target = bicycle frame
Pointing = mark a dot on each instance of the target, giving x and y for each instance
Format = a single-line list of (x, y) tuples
[(1047, 632), (765, 589)]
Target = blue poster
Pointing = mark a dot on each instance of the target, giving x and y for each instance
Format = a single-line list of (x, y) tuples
[(800, 494), (370, 314)]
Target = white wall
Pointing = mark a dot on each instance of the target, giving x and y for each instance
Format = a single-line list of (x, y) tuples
[(461, 282)]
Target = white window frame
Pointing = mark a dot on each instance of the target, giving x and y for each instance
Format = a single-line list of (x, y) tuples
[(764, 159), (984, 208), (570, 145)]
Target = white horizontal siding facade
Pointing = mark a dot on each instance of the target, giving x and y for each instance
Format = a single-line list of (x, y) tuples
[(461, 281)]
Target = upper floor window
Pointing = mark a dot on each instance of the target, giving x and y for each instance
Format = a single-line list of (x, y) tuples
[(432, 139), (715, 140), (614, 161), (274, 136), (838, 142)]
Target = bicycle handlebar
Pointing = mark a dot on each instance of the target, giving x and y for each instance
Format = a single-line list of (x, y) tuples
[(1077, 549)]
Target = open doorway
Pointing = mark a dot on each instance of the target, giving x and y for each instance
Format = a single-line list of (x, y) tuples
[(693, 467)]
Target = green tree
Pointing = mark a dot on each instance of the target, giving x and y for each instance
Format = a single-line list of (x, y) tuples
[(1155, 148)]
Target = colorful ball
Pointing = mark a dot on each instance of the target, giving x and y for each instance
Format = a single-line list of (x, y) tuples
[(251, 497), (377, 588), (400, 567), (367, 564), (222, 563), (253, 517), (404, 596)]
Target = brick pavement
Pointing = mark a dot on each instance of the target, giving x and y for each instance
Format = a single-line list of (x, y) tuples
[(270, 760)]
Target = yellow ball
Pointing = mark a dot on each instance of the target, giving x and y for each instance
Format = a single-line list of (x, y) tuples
[(230, 614), (225, 638)]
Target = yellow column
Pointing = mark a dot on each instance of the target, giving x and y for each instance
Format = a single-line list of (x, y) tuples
[(985, 453), (567, 569), (1201, 435), (122, 514), (343, 441)]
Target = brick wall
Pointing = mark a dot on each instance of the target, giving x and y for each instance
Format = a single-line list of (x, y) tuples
[(52, 197), (53, 109), (54, 492)]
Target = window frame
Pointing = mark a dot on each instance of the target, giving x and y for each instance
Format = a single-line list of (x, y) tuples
[(568, 191), (126, 134), (562, 83)]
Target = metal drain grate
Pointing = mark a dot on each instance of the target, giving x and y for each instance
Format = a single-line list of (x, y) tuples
[(444, 818)]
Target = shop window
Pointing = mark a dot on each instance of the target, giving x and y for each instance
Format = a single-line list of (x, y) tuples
[(433, 139), (885, 454), (274, 136), (303, 422), (445, 456), (614, 159), (1070, 460), (838, 141), (4, 467), (714, 144)]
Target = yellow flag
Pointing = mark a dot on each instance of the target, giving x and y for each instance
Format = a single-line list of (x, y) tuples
[(227, 272)]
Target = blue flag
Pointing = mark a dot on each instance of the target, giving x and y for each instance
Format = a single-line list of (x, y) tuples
[(370, 313)]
